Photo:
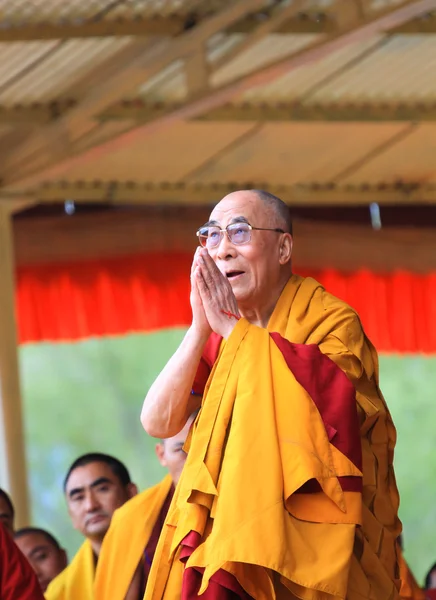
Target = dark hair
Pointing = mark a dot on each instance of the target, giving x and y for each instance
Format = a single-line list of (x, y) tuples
[(8, 501), (29, 530), (428, 577), (115, 465), (280, 208)]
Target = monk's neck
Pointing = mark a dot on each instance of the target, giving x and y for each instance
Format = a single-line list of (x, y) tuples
[(260, 314), (96, 548)]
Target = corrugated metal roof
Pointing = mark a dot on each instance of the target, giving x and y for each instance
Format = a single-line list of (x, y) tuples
[(271, 48), (299, 83), (42, 71), (401, 69)]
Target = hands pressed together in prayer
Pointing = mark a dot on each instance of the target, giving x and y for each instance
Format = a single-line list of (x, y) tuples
[(214, 306)]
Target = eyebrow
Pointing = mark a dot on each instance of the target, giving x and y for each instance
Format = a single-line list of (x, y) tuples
[(94, 484)]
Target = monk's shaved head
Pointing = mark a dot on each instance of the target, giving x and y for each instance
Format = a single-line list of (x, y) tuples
[(279, 211)]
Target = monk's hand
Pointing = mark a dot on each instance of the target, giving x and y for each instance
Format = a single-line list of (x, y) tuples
[(217, 296), (199, 319)]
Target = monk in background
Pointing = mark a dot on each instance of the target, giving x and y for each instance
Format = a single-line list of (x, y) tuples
[(17, 580), (7, 511), (129, 546), (95, 486), (288, 490), (44, 553)]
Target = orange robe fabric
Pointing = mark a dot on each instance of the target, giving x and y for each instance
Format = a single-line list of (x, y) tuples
[(259, 444), (76, 580), (124, 544), (410, 590)]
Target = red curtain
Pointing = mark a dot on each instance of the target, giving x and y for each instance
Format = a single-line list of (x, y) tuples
[(143, 293)]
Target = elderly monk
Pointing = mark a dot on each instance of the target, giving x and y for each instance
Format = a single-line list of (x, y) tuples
[(7, 511), (95, 486), (44, 553), (129, 546), (272, 502), (17, 580)]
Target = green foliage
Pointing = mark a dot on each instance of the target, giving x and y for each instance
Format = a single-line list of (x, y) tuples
[(87, 396)]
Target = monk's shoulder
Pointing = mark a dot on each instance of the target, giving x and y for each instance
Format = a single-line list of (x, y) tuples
[(134, 505)]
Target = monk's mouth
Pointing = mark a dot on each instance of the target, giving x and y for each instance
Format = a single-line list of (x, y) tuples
[(233, 274)]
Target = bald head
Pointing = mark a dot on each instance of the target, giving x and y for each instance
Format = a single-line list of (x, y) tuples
[(279, 211)]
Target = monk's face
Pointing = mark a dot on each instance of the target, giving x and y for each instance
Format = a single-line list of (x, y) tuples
[(93, 494), (256, 263), (46, 559), (6, 515), (171, 454)]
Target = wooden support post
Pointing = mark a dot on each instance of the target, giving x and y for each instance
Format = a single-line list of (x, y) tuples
[(12, 452)]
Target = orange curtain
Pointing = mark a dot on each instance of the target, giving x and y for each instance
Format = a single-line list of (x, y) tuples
[(143, 293)]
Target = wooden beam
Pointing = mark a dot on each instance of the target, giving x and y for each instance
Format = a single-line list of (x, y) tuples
[(55, 163), (305, 22), (170, 26), (201, 194), (367, 112), (142, 112), (197, 72), (12, 451), (56, 141)]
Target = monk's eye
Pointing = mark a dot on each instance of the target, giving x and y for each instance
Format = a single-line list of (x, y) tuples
[(40, 556)]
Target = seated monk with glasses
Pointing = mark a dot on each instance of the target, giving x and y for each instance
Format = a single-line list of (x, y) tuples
[(288, 490)]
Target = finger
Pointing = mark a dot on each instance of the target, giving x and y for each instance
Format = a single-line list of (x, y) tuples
[(195, 260), (209, 268)]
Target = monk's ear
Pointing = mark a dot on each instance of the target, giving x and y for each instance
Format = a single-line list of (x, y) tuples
[(285, 251), (64, 558), (132, 490), (160, 453)]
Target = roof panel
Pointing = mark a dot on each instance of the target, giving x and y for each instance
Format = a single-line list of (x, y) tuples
[(42, 71), (273, 47), (412, 160), (290, 153), (299, 83), (401, 69)]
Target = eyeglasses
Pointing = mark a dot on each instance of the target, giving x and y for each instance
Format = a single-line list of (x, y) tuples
[(210, 236)]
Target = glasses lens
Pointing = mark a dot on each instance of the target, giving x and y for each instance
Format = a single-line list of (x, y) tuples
[(209, 236), (239, 233)]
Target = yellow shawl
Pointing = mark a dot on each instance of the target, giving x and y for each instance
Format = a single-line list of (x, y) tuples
[(77, 580), (126, 540), (410, 589), (258, 438)]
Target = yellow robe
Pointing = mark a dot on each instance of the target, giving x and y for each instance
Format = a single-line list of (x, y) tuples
[(77, 580), (410, 589), (124, 543), (259, 438)]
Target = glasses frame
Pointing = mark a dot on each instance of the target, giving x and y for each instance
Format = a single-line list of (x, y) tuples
[(225, 230)]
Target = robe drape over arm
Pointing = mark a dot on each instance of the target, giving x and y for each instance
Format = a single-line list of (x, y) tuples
[(77, 580), (17, 579), (272, 502)]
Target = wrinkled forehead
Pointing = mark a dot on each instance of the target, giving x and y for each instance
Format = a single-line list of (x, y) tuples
[(240, 204)]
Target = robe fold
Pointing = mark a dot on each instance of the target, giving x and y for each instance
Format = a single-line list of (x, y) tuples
[(410, 590), (271, 502), (125, 542), (77, 580)]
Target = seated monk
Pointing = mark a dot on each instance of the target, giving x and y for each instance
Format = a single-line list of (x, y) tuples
[(44, 553), (17, 579), (288, 489), (7, 511), (410, 590), (129, 545), (95, 486)]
